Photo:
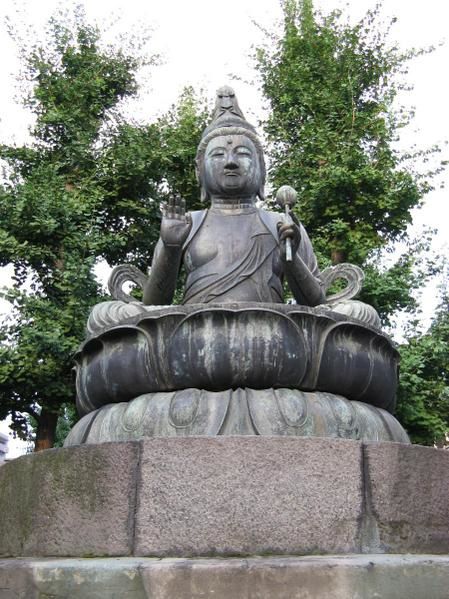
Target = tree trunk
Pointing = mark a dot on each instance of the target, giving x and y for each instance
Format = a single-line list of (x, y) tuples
[(338, 256), (46, 430)]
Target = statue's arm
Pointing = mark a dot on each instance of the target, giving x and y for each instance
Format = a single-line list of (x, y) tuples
[(175, 227), (302, 272), (161, 284), (306, 288)]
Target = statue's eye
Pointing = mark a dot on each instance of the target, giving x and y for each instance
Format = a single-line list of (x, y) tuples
[(242, 151), (217, 153)]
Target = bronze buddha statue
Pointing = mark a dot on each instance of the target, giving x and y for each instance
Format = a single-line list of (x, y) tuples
[(233, 357)]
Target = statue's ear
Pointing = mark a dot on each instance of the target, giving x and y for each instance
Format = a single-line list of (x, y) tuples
[(204, 197), (261, 193)]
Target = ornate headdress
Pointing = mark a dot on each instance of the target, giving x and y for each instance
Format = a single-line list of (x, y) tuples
[(228, 119)]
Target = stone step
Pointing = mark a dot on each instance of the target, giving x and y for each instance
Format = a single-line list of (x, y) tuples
[(327, 577)]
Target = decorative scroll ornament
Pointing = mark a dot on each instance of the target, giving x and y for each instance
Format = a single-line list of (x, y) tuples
[(125, 273), (352, 274)]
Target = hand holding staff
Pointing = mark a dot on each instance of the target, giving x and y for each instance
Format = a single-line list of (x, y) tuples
[(286, 198)]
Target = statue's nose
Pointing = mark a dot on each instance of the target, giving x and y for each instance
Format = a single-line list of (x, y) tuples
[(231, 164)]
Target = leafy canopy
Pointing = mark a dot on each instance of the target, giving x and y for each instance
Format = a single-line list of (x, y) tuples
[(423, 395), (87, 188), (332, 127)]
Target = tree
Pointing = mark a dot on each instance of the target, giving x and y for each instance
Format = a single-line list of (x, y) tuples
[(331, 129), (423, 396), (181, 129), (86, 188), (332, 125), (139, 167)]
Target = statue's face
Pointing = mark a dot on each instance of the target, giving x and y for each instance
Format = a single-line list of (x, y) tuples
[(231, 167)]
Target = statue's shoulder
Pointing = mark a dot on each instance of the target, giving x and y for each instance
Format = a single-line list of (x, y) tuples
[(197, 217), (271, 220)]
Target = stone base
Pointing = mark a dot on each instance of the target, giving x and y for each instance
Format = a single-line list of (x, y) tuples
[(331, 577), (225, 497)]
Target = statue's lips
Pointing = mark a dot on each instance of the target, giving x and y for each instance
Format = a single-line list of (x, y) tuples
[(232, 174)]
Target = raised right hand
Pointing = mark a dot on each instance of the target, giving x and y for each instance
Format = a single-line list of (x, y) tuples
[(176, 224)]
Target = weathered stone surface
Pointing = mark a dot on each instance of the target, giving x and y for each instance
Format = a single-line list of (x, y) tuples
[(332, 577), (224, 496), (408, 497), (69, 502), (242, 495), (107, 578), (195, 412), (352, 577)]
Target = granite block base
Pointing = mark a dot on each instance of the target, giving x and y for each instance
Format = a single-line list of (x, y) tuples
[(225, 497)]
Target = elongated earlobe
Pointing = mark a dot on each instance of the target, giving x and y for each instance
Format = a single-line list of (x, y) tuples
[(204, 197)]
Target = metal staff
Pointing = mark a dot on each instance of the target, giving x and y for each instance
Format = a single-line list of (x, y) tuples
[(286, 198)]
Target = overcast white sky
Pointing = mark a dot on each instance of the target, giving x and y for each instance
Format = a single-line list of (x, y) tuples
[(202, 42)]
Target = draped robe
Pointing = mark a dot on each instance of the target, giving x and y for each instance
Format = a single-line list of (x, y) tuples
[(235, 256)]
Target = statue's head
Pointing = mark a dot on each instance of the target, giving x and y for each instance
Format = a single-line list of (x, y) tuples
[(229, 160)]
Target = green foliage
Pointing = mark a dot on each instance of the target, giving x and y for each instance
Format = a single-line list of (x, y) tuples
[(331, 129), (86, 188), (68, 417), (423, 395), (181, 130), (138, 169), (393, 288)]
